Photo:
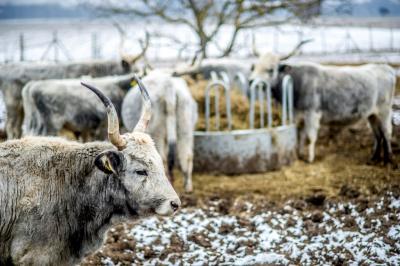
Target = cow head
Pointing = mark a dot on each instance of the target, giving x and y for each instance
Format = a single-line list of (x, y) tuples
[(137, 163), (269, 65), (266, 68), (192, 68), (128, 61)]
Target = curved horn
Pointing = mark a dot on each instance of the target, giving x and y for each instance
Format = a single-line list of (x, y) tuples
[(146, 110), (113, 123), (197, 59), (296, 49)]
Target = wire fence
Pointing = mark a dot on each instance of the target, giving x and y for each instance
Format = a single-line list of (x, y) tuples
[(59, 46)]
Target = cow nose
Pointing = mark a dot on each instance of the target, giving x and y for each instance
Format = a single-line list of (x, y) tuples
[(175, 205)]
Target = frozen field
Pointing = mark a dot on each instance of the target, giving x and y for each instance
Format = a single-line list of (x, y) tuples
[(358, 232), (76, 37)]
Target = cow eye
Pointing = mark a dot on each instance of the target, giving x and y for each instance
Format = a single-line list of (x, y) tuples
[(141, 172), (270, 71)]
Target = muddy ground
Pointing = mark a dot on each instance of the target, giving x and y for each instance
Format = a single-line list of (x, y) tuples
[(337, 210)]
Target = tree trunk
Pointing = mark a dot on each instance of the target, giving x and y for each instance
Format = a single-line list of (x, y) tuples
[(203, 46)]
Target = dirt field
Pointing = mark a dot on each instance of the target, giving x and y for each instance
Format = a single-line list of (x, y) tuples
[(336, 210)]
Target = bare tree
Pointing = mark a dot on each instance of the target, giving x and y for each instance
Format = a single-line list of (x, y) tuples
[(206, 17)]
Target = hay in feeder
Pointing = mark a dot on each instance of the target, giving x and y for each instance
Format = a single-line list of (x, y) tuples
[(240, 108)]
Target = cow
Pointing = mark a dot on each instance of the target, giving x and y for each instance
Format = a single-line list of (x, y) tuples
[(333, 94), (58, 197), (13, 78), (53, 105), (173, 125)]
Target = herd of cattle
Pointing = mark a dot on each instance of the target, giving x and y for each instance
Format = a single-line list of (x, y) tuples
[(57, 197)]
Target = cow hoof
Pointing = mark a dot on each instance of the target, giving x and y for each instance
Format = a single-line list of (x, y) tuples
[(374, 160), (390, 162), (310, 160), (189, 191)]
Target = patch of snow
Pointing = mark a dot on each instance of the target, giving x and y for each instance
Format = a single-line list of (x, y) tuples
[(394, 232)]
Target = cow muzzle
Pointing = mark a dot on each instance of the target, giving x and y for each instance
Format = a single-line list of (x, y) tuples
[(168, 207)]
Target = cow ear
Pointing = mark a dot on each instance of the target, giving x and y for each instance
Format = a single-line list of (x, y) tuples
[(284, 68), (110, 162)]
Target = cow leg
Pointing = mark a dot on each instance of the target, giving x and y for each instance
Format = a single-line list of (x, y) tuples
[(311, 127), (375, 126), (386, 130), (15, 115), (302, 141), (37, 255), (48, 129), (15, 111), (302, 135), (185, 157)]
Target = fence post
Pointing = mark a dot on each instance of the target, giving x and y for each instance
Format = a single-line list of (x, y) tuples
[(391, 40), (21, 47), (55, 41), (276, 40), (95, 53), (371, 45), (323, 41)]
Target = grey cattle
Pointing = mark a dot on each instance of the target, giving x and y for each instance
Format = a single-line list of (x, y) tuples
[(52, 105), (175, 116), (331, 94), (58, 197), (13, 78)]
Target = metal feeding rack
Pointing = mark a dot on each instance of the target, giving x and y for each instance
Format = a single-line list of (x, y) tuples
[(251, 150)]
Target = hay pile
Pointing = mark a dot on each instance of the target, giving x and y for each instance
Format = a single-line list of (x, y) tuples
[(240, 107)]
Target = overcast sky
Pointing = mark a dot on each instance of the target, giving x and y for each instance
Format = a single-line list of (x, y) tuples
[(21, 2), (71, 2)]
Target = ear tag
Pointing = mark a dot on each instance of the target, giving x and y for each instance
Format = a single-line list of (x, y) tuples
[(108, 166), (133, 83)]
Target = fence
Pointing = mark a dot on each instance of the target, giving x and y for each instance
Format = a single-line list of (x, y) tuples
[(59, 46)]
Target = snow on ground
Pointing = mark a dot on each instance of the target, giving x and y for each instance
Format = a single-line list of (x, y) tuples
[(355, 233)]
